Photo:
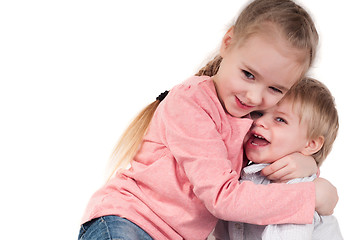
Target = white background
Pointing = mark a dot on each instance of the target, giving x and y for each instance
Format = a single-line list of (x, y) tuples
[(74, 73)]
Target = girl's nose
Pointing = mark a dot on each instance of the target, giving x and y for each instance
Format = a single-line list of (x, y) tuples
[(254, 96)]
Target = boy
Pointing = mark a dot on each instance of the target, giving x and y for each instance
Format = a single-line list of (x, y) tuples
[(304, 121)]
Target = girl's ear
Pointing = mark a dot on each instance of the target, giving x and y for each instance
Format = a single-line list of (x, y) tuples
[(227, 41), (313, 146)]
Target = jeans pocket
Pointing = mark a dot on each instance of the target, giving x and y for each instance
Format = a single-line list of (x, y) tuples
[(81, 232), (112, 227), (84, 227)]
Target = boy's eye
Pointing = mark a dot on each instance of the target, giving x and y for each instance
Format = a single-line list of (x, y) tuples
[(248, 74), (276, 90), (281, 120)]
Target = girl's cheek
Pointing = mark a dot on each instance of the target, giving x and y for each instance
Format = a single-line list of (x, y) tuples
[(268, 103), (275, 100)]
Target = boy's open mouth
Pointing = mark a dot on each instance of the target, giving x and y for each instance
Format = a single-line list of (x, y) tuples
[(258, 140)]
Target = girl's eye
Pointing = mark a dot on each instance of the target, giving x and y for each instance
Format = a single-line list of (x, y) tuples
[(276, 90), (281, 120), (248, 74)]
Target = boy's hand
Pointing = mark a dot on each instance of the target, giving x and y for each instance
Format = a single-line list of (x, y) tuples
[(326, 196), (292, 166)]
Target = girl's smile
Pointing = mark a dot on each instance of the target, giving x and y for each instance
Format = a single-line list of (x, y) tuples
[(242, 104)]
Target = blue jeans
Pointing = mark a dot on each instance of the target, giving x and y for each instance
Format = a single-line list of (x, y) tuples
[(111, 228)]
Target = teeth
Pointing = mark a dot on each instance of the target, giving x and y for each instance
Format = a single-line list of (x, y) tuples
[(258, 136)]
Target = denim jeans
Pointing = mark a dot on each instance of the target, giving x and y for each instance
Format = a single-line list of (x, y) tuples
[(111, 228)]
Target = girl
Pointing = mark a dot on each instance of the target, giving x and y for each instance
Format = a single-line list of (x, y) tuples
[(186, 158)]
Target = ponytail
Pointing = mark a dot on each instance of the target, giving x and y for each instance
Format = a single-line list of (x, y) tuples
[(129, 143), (211, 67)]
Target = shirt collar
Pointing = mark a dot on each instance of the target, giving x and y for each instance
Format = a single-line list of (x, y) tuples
[(254, 168)]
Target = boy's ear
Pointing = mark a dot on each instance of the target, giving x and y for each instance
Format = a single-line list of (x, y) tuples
[(313, 145), (227, 41)]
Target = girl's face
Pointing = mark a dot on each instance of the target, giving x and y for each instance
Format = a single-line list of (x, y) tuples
[(255, 75)]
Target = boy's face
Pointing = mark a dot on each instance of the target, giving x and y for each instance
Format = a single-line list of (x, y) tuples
[(276, 133)]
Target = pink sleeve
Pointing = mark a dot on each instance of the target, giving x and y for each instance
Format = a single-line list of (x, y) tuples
[(192, 131)]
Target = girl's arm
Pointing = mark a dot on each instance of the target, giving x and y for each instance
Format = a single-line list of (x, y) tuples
[(298, 165), (198, 135)]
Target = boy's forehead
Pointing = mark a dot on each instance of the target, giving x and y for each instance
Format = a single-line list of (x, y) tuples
[(288, 107)]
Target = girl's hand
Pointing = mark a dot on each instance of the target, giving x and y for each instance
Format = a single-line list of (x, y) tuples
[(292, 166), (326, 196)]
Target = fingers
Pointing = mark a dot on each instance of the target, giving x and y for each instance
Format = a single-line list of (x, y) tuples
[(280, 171), (273, 168), (279, 175), (284, 178)]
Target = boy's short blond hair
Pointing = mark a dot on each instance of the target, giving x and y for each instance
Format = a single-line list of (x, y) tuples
[(317, 109)]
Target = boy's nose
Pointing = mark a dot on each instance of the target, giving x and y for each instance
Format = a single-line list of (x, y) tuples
[(260, 122)]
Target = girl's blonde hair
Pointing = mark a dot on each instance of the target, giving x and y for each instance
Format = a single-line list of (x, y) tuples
[(294, 23), (292, 20), (318, 111)]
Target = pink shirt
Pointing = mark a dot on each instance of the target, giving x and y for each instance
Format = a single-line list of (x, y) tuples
[(185, 175)]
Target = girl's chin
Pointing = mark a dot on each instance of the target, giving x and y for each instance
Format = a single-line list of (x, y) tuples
[(239, 114), (234, 111)]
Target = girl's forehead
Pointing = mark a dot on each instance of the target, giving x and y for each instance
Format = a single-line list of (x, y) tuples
[(268, 58), (273, 32)]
